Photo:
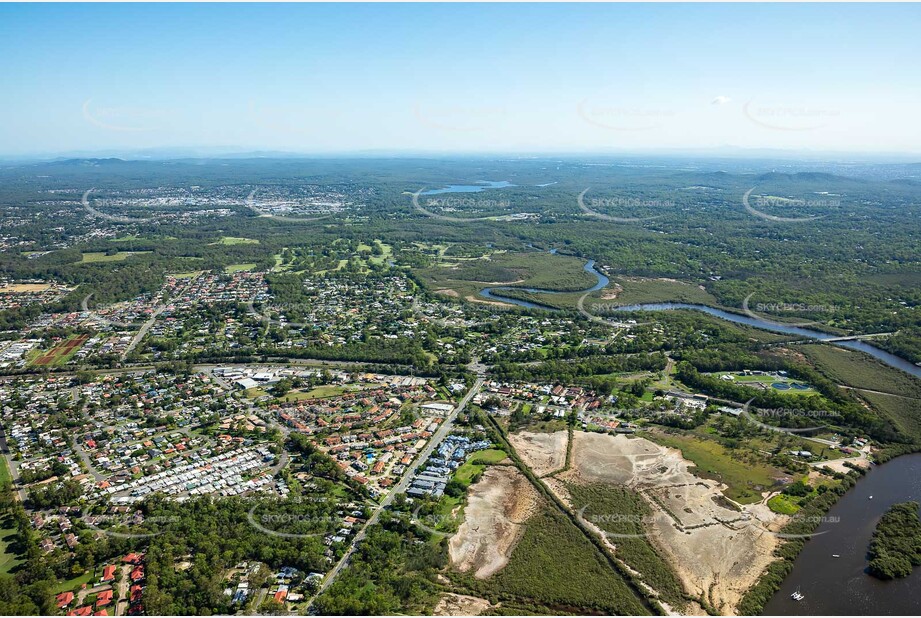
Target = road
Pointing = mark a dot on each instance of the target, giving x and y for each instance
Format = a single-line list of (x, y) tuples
[(400, 487), (12, 465), (143, 331)]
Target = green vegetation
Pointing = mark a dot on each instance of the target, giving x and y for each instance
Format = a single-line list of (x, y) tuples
[(746, 480), (896, 546), (555, 567), (799, 528), (861, 372), (624, 514), (782, 504), (526, 270), (390, 573), (639, 290), (112, 256), (236, 240)]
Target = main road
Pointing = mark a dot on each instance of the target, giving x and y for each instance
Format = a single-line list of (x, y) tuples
[(400, 487)]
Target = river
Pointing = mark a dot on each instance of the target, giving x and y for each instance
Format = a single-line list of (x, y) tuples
[(839, 586), (589, 268), (890, 359), (495, 293)]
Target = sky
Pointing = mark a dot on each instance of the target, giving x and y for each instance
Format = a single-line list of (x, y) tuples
[(500, 78)]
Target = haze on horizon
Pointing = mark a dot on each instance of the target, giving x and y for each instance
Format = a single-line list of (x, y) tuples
[(459, 78)]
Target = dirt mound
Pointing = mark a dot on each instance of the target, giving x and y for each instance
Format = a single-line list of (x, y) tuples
[(542, 452), (497, 507), (460, 605), (718, 548)]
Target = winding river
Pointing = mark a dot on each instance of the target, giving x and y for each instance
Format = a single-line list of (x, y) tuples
[(890, 359), (589, 267), (495, 293), (832, 586)]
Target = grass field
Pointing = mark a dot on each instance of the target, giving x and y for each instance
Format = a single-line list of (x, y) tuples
[(61, 353), (319, 392), (477, 463), (554, 566), (235, 268), (100, 256), (74, 583), (783, 505), (864, 372), (236, 240), (745, 480), (638, 290), (534, 270)]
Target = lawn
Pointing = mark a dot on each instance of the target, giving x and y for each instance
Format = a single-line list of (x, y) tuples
[(746, 481), (9, 557), (320, 392), (187, 275), (5, 476), (235, 268), (783, 505), (101, 256), (477, 463), (74, 583)]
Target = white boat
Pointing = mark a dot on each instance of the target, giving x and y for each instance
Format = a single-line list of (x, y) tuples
[(836, 555), (797, 596), (870, 498)]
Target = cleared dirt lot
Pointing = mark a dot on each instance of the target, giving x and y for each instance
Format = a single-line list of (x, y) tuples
[(497, 507), (460, 605), (718, 548), (543, 452)]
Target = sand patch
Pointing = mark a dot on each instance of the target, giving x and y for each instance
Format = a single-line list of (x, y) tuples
[(460, 605), (718, 548), (497, 507), (611, 292), (542, 452), (19, 288), (448, 292), (474, 299)]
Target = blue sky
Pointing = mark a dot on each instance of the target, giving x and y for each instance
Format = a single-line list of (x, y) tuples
[(459, 78)]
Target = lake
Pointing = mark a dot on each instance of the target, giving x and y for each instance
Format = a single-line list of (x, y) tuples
[(481, 185)]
